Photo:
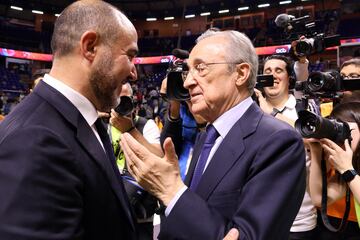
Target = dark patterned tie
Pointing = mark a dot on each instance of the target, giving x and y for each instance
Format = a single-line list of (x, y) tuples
[(211, 136), (100, 127)]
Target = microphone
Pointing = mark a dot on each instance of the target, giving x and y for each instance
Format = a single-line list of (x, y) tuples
[(180, 53), (284, 20)]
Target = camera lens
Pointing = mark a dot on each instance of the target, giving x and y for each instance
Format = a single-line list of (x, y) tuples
[(125, 106)]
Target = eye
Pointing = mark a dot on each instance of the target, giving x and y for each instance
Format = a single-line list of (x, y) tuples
[(279, 70), (354, 75), (267, 71), (200, 67)]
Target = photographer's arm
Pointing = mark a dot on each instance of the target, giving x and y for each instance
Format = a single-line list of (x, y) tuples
[(335, 190), (125, 124)]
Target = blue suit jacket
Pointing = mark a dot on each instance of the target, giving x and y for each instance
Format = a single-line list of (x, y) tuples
[(56, 181), (255, 182)]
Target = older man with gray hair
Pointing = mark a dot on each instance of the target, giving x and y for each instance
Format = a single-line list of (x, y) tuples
[(247, 170)]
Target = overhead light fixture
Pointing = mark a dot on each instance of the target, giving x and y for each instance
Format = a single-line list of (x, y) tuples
[(190, 16), (37, 12), (243, 8), (57, 15), (151, 19), (263, 5), (224, 11), (205, 14), (305, 0), (169, 18), (284, 2), (16, 8)]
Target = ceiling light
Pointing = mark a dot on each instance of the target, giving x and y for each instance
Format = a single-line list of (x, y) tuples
[(37, 12), (151, 19), (57, 15), (284, 2), (243, 8), (190, 16), (263, 5), (224, 11), (16, 8), (205, 14), (169, 18)]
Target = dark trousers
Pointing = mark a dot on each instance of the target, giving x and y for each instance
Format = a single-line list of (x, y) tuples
[(308, 235)]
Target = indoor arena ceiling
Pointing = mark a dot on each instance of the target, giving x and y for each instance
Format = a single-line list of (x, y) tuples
[(133, 8)]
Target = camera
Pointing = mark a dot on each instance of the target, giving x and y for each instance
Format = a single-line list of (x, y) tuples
[(310, 125), (175, 84), (327, 84), (143, 203), (315, 44), (125, 107)]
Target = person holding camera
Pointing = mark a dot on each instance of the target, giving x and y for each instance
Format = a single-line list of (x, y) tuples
[(349, 70), (345, 160), (148, 134), (281, 104), (236, 175)]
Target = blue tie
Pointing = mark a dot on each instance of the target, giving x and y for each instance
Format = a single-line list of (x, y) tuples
[(211, 136)]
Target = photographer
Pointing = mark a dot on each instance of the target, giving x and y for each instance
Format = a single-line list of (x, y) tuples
[(148, 134), (350, 70), (342, 159), (280, 103)]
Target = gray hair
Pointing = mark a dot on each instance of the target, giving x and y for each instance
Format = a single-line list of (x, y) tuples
[(239, 49)]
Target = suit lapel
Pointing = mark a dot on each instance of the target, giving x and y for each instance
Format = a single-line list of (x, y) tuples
[(229, 151), (88, 140)]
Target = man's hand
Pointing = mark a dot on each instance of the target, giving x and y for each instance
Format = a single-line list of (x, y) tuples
[(233, 234), (159, 176), (122, 123), (264, 105)]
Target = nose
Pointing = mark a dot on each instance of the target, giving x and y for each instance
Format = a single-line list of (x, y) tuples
[(189, 81), (133, 73)]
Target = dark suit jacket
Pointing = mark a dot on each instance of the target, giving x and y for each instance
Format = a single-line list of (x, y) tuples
[(255, 182), (56, 181)]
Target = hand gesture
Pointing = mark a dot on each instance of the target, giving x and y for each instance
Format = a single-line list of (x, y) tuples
[(159, 176)]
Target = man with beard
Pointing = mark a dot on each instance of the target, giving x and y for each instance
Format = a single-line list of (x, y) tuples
[(58, 177)]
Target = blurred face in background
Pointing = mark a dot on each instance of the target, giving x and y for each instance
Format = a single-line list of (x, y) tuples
[(277, 68), (350, 71)]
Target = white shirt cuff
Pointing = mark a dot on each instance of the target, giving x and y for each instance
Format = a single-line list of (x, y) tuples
[(174, 200)]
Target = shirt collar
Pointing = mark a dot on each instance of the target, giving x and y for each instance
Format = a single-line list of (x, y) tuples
[(290, 103), (85, 107), (227, 120)]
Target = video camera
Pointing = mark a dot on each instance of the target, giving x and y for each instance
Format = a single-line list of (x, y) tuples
[(313, 43), (175, 83), (310, 125), (327, 84)]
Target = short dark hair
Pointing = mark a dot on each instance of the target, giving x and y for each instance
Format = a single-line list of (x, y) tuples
[(82, 16), (353, 61), (288, 62)]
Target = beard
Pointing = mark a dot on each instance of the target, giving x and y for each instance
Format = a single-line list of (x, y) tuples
[(104, 84)]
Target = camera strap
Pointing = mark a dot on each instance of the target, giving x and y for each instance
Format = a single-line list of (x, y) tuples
[(324, 215)]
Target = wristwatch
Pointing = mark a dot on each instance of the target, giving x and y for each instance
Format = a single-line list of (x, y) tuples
[(349, 175)]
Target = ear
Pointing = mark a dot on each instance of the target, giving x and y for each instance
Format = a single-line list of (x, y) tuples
[(243, 73), (88, 45)]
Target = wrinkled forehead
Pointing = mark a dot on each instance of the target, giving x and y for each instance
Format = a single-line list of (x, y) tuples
[(209, 49)]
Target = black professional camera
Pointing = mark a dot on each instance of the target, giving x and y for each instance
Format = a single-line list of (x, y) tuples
[(310, 125), (175, 89), (143, 203), (327, 84), (125, 107), (313, 43)]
